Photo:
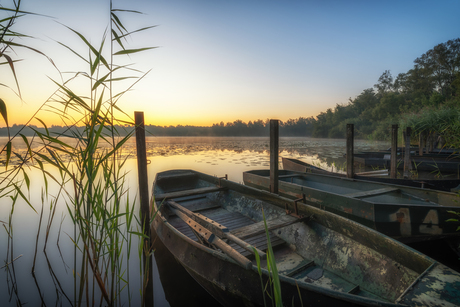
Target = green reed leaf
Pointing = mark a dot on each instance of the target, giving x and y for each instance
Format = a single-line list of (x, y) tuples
[(94, 50), (46, 159), (26, 179), (14, 44), (129, 11), (10, 62), (117, 21), (98, 59), (74, 52), (117, 38), (40, 163), (3, 111), (24, 138), (138, 234), (8, 153), (16, 10), (100, 81), (272, 265), (73, 97), (114, 217), (44, 125), (130, 51), (132, 32), (121, 78), (18, 190)]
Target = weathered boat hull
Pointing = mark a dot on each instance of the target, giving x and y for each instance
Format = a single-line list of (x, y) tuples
[(404, 213), (323, 259), (421, 163), (446, 185)]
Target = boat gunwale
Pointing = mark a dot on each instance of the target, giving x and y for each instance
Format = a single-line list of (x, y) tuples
[(375, 203), (349, 297), (404, 189), (426, 184)]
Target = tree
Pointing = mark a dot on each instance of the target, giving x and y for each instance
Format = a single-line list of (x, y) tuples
[(442, 64), (385, 83)]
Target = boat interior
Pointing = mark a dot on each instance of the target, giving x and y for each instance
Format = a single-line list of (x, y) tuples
[(368, 191), (314, 249)]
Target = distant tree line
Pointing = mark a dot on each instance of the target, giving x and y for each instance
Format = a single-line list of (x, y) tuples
[(293, 127), (433, 83)]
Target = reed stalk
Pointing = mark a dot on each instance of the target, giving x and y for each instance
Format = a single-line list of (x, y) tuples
[(92, 178), (273, 286)]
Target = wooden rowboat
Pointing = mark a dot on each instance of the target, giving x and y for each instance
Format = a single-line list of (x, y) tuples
[(434, 184), (211, 224), (404, 213), (429, 163)]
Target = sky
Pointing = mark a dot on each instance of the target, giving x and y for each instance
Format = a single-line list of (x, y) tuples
[(220, 61)]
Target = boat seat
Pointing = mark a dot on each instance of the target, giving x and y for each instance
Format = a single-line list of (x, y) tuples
[(259, 227), (177, 176), (371, 192), (290, 176), (183, 193), (304, 265)]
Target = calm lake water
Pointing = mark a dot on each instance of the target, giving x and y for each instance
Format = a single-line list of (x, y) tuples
[(52, 280)]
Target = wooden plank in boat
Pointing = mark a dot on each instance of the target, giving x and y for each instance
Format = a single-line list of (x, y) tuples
[(302, 266), (201, 206), (232, 220), (183, 193), (175, 176), (260, 242), (290, 176), (259, 228), (371, 192)]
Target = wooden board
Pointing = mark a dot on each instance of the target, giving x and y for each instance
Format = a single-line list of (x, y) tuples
[(258, 228), (371, 192), (183, 193)]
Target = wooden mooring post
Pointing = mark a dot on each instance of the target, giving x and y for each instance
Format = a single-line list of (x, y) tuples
[(144, 202), (421, 143), (394, 151), (407, 160), (350, 150), (274, 153)]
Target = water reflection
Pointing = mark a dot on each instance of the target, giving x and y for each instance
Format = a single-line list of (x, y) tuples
[(180, 289), (44, 237)]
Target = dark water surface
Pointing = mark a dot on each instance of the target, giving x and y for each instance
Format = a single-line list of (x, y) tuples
[(52, 282)]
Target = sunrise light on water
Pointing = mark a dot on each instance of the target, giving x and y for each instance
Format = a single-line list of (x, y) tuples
[(238, 60), (235, 153)]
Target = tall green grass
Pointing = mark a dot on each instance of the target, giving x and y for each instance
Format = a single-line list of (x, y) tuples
[(273, 286), (92, 173)]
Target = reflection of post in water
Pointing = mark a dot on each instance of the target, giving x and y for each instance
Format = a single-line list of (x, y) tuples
[(274, 153), (57, 284), (175, 278), (350, 149), (145, 211), (407, 162), (394, 153), (11, 277)]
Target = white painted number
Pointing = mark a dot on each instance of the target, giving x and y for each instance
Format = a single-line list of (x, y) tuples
[(403, 217), (430, 224)]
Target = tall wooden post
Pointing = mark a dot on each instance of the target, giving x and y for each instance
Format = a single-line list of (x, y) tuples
[(350, 150), (407, 160), (394, 151), (144, 202), (421, 143), (274, 152)]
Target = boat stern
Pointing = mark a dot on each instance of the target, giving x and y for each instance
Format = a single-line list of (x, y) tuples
[(438, 286)]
